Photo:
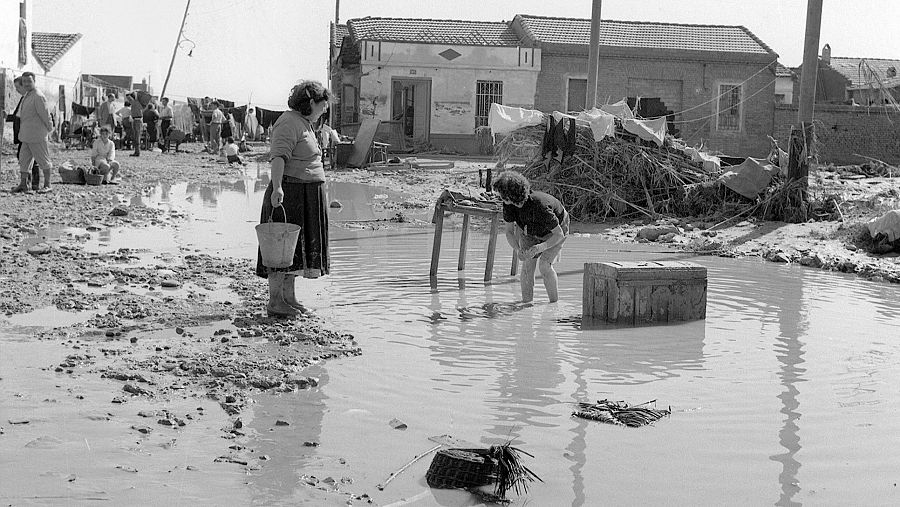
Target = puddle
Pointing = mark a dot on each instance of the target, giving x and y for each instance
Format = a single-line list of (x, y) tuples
[(785, 394), (49, 317), (790, 376)]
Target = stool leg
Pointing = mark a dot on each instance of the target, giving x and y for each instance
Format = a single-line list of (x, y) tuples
[(462, 243), (492, 248), (436, 247), (515, 263)]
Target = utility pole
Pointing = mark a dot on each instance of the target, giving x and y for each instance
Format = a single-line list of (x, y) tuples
[(801, 143), (175, 51), (593, 56)]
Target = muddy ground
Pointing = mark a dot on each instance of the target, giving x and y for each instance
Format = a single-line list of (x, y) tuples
[(164, 328)]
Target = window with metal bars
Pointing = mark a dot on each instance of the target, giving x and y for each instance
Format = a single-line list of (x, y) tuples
[(728, 117), (486, 93)]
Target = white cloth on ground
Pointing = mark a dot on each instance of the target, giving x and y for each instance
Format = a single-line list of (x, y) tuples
[(887, 224)]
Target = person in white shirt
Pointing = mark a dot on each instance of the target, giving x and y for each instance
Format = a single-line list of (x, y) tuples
[(231, 152), (103, 157)]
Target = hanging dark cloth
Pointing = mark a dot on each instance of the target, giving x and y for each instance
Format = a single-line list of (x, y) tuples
[(239, 113), (226, 104), (226, 130), (82, 110), (549, 143), (267, 118), (565, 138)]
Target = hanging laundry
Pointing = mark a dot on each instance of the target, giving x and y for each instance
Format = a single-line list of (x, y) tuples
[(620, 110), (602, 123), (82, 110), (238, 112), (503, 119), (267, 118), (549, 143), (648, 130), (225, 104)]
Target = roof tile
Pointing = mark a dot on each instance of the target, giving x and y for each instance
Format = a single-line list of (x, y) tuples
[(433, 31), (49, 47), (645, 34), (850, 69)]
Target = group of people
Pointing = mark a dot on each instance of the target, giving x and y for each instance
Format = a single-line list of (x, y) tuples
[(537, 223), (31, 126), (136, 118)]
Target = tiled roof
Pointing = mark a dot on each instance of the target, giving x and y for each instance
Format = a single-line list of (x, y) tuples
[(49, 47), (338, 32), (849, 67), (645, 34), (433, 31), (782, 71)]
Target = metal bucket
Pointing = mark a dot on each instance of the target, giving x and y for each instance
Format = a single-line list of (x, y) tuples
[(277, 242)]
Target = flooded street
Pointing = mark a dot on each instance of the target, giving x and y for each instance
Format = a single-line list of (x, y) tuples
[(786, 394)]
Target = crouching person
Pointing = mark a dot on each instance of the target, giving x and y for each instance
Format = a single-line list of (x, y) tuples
[(537, 226), (103, 157)]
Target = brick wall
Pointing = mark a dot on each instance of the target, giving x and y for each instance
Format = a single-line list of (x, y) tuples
[(843, 131), (699, 85)]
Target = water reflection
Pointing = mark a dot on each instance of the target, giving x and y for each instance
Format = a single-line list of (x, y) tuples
[(793, 321), (291, 449)]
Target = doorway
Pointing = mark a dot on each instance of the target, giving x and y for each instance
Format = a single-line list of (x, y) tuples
[(411, 108)]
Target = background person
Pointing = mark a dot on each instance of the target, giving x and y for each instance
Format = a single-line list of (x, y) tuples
[(150, 119), (215, 128), (103, 157), (137, 123), (165, 121), (298, 184), (14, 118), (35, 125), (536, 228)]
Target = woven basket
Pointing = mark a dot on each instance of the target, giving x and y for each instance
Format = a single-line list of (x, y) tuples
[(461, 468), (75, 176), (93, 179)]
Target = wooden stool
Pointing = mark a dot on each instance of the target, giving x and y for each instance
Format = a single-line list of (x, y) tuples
[(444, 207)]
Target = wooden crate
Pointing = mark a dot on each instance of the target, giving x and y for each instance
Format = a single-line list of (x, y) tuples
[(639, 293)]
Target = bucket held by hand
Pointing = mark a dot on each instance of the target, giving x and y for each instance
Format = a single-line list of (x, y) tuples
[(277, 241)]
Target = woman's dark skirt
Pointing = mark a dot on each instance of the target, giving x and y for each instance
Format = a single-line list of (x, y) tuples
[(306, 205)]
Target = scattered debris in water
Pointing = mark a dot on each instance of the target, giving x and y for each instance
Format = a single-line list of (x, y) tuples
[(621, 413)]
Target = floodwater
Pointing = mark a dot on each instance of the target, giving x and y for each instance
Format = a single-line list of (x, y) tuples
[(786, 394)]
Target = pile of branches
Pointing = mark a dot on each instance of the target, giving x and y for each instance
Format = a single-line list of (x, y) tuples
[(617, 176), (620, 413)]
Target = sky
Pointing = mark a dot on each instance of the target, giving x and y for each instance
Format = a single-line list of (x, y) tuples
[(255, 50)]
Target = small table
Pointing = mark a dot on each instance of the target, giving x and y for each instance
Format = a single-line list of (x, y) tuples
[(494, 214)]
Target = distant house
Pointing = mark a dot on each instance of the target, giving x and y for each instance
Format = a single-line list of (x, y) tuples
[(856, 109), (432, 81), (716, 83), (784, 84), (94, 87), (58, 56), (871, 81)]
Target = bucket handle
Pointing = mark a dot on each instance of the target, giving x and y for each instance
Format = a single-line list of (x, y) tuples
[(283, 212)]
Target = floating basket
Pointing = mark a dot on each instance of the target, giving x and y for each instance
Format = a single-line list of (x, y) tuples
[(73, 176), (461, 468), (277, 242), (93, 179)]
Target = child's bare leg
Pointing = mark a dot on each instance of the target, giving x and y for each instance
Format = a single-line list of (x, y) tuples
[(526, 279)]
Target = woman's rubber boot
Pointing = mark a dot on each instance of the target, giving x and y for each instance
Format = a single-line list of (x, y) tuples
[(24, 183), (290, 296), (276, 306)]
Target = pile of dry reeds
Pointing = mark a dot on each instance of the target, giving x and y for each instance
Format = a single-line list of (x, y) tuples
[(617, 176), (621, 413)]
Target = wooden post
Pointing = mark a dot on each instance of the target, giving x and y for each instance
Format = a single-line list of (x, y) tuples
[(438, 231), (593, 56), (492, 248), (462, 243), (175, 51), (515, 263), (801, 139)]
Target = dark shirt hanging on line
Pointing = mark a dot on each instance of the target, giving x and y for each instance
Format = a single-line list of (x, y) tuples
[(82, 110), (266, 118)]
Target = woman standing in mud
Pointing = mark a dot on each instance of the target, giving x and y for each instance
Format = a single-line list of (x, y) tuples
[(298, 184)]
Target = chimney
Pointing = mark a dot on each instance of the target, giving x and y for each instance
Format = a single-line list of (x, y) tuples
[(826, 54)]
